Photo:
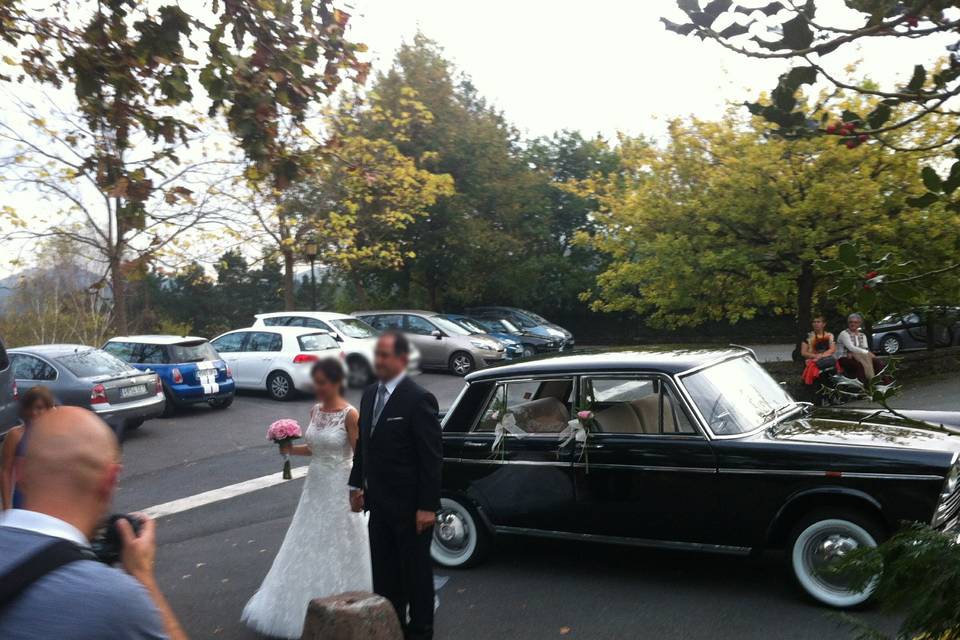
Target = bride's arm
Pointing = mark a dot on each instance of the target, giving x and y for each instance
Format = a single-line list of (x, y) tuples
[(297, 450), (353, 427)]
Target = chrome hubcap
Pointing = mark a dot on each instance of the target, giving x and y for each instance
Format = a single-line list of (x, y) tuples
[(461, 364), (890, 345), (280, 386), (451, 531), (822, 554)]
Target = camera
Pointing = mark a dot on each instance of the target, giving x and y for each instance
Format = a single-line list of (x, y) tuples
[(107, 543)]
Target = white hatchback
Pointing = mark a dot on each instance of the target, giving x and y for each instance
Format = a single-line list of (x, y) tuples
[(356, 337), (277, 359)]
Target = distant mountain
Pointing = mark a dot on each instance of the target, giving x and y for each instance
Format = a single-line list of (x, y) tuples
[(79, 278)]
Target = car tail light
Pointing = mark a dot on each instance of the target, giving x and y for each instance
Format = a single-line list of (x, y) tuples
[(177, 376), (98, 395), (16, 391), (159, 385), (300, 358)]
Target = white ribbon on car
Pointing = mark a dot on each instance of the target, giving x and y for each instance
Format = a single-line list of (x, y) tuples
[(575, 431), (505, 424)]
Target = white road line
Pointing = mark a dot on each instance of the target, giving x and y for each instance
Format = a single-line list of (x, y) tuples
[(223, 493)]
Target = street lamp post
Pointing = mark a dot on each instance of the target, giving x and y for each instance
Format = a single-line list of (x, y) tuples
[(311, 251)]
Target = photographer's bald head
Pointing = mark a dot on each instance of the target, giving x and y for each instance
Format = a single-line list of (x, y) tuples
[(70, 467)]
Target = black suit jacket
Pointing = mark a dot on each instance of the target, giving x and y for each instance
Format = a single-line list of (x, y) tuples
[(398, 463)]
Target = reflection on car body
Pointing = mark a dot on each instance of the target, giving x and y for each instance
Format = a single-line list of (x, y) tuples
[(686, 449)]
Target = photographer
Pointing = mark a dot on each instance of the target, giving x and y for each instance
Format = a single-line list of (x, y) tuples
[(50, 584)]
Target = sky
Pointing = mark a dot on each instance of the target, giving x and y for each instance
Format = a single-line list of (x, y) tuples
[(604, 66)]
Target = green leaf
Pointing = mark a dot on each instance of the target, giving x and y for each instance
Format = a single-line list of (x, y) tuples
[(866, 299), (850, 116), (924, 201), (734, 30), (848, 255), (931, 180), (879, 116), (953, 181), (682, 29), (767, 10), (916, 81)]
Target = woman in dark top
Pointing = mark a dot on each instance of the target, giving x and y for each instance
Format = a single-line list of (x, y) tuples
[(34, 402)]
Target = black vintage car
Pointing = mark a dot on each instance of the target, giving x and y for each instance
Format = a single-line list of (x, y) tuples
[(684, 450)]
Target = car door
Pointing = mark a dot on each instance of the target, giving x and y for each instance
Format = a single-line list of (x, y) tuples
[(260, 350), (230, 347), (519, 479), (645, 471), (30, 371), (433, 349)]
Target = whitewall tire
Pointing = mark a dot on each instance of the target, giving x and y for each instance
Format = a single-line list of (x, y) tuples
[(459, 539)]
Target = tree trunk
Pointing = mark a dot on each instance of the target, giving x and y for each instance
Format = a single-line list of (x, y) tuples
[(361, 290), (289, 303), (805, 284), (118, 287)]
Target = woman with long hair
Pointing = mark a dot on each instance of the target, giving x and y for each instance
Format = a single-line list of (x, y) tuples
[(34, 402)]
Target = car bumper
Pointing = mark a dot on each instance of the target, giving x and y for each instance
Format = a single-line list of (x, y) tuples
[(301, 377), (487, 358), (194, 393), (120, 415)]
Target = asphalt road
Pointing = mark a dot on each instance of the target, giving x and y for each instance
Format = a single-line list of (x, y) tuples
[(212, 558)]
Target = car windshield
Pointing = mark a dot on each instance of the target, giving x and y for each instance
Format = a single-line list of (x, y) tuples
[(736, 396), (469, 325), (450, 327), (317, 342), (353, 328), (193, 352), (890, 319), (92, 363), (535, 316)]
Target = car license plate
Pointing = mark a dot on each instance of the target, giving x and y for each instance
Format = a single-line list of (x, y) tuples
[(136, 390)]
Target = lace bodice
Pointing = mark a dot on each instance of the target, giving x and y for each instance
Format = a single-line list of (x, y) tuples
[(327, 436)]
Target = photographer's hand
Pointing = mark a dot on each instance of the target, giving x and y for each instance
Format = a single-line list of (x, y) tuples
[(137, 556)]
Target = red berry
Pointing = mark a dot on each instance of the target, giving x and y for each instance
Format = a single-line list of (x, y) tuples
[(851, 144), (832, 127), (868, 286), (871, 275), (863, 137), (912, 22)]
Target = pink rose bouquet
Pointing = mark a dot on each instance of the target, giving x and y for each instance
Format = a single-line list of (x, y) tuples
[(283, 432)]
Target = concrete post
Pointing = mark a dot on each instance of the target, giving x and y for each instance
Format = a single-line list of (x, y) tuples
[(355, 615)]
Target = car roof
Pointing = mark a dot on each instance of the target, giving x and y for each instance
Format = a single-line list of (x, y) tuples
[(285, 331), (419, 312), (668, 360), (320, 315), (157, 339), (51, 350)]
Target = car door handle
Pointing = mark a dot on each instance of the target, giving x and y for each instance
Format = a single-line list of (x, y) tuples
[(475, 445)]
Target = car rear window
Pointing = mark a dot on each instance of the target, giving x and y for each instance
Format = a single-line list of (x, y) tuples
[(193, 352), (316, 342), (92, 363)]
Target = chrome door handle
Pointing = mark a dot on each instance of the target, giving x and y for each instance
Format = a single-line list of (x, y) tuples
[(594, 446), (475, 445)]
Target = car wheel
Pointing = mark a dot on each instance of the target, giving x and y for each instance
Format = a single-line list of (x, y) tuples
[(221, 403), (459, 538), (358, 373), (461, 363), (280, 386), (169, 406), (818, 541), (528, 352), (890, 344)]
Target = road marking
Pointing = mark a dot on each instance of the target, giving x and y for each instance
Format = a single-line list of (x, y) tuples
[(223, 493)]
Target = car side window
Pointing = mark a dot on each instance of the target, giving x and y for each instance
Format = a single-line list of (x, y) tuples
[(390, 321), (532, 406), (638, 405), (121, 350), (419, 326), (276, 321), (312, 323), (264, 341), (230, 343), (31, 368)]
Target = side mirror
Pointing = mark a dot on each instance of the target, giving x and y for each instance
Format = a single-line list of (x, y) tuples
[(336, 336), (436, 333)]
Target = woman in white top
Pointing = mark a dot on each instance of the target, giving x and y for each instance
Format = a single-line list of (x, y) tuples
[(853, 351)]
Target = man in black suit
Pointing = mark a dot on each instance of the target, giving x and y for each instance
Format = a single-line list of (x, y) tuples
[(396, 477)]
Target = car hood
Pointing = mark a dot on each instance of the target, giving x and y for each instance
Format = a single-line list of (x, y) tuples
[(850, 428)]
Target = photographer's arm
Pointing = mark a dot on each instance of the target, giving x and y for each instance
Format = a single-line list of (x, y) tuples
[(137, 556)]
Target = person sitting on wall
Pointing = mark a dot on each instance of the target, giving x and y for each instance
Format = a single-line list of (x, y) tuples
[(853, 352), (818, 350)]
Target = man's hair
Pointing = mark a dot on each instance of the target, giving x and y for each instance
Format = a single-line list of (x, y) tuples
[(401, 345), (854, 316)]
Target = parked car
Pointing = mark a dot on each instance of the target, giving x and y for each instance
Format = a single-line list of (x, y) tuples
[(908, 331), (513, 349), (190, 369), (275, 359), (442, 344), (9, 409), (82, 376), (694, 450), (531, 343), (527, 321), (356, 337)]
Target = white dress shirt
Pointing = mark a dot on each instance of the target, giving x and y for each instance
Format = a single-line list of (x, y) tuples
[(849, 343), (43, 524)]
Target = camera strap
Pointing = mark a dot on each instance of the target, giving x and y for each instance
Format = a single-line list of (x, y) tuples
[(46, 560)]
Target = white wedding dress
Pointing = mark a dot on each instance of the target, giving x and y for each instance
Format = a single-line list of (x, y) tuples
[(326, 550)]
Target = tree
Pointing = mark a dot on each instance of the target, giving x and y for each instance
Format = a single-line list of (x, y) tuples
[(791, 31), (723, 222)]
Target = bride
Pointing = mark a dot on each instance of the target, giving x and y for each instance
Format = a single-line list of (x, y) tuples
[(325, 551)]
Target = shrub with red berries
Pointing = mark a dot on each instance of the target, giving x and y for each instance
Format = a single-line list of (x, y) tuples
[(847, 130)]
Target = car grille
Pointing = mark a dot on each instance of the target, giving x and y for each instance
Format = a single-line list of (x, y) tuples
[(947, 509)]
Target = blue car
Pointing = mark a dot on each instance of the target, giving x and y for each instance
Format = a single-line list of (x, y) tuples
[(190, 369), (511, 345)]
